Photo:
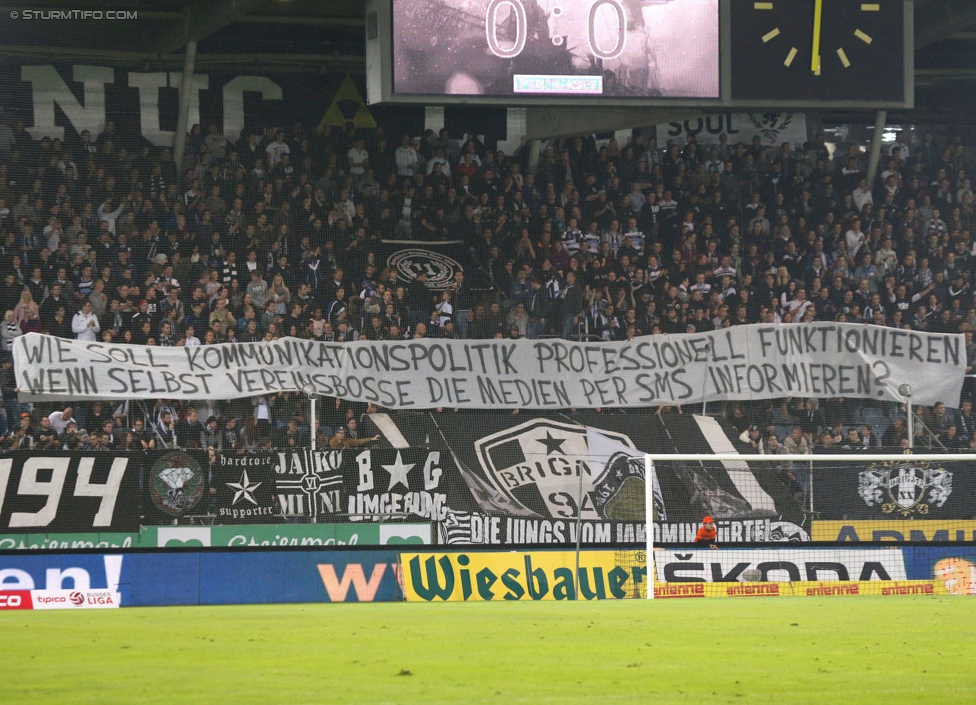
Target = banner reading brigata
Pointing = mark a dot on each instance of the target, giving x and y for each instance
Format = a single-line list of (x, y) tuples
[(745, 362)]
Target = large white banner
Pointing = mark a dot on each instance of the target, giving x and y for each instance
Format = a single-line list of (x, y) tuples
[(745, 362), (771, 128)]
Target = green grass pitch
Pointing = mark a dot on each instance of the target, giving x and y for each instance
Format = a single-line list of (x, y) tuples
[(817, 650)]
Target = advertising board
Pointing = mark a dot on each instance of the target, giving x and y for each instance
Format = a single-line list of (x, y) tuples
[(533, 575), (780, 565), (799, 589), (896, 531), (204, 578)]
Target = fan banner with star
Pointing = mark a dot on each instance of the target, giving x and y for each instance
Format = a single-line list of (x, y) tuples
[(355, 484), (243, 490)]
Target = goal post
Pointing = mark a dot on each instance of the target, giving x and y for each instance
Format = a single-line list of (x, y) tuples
[(899, 497), (649, 529)]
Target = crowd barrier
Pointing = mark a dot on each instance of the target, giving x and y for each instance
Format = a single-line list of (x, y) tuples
[(214, 576)]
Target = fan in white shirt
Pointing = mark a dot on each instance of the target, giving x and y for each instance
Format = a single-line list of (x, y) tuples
[(358, 158), (276, 149), (854, 238), (406, 157)]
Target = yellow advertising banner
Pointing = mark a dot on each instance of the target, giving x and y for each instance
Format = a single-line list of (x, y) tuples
[(894, 531), (603, 575), (541, 575)]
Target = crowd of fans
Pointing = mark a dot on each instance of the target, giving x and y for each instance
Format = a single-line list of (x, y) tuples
[(276, 234)]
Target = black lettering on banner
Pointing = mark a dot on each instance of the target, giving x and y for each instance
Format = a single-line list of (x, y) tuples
[(751, 362)]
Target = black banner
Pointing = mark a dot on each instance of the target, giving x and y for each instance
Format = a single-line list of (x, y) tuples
[(901, 488), (359, 484), (439, 260), (70, 492), (243, 489), (524, 473)]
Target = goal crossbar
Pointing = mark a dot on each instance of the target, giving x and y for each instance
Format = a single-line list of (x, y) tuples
[(826, 458)]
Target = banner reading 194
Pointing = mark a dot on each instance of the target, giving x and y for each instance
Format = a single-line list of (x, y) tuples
[(618, 48), (68, 492)]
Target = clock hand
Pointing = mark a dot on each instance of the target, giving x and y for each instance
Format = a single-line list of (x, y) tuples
[(815, 55)]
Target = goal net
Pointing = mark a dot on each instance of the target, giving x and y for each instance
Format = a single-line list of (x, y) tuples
[(901, 520)]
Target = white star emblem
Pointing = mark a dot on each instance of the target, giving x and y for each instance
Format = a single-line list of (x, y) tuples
[(244, 489), (398, 472)]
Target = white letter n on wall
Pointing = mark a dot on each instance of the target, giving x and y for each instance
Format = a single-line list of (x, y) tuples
[(49, 88)]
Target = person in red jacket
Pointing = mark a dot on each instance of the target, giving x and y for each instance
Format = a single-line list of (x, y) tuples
[(707, 533)]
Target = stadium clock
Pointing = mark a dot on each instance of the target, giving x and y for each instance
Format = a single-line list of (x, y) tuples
[(828, 50)]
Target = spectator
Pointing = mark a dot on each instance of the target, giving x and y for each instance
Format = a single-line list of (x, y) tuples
[(894, 434), (752, 437), (85, 324), (165, 430), (140, 438), (188, 430), (59, 420)]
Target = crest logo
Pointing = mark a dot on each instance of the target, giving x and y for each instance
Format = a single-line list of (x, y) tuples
[(537, 466), (770, 125), (176, 483), (620, 489), (905, 487), (411, 263)]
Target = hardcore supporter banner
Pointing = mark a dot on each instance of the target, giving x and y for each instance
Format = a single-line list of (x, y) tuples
[(57, 491), (745, 362), (244, 490), (438, 260), (62, 100)]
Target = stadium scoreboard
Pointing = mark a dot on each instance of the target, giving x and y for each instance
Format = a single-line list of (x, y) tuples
[(632, 53)]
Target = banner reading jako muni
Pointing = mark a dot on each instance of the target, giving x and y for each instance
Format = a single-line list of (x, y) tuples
[(745, 362)]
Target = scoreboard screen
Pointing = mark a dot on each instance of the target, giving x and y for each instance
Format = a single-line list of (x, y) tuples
[(696, 54), (622, 49)]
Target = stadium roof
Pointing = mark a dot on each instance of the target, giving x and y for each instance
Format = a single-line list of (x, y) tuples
[(327, 35)]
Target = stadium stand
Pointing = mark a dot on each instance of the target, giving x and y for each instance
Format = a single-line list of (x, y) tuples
[(279, 234)]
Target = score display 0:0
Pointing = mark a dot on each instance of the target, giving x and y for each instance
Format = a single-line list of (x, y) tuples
[(613, 7)]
